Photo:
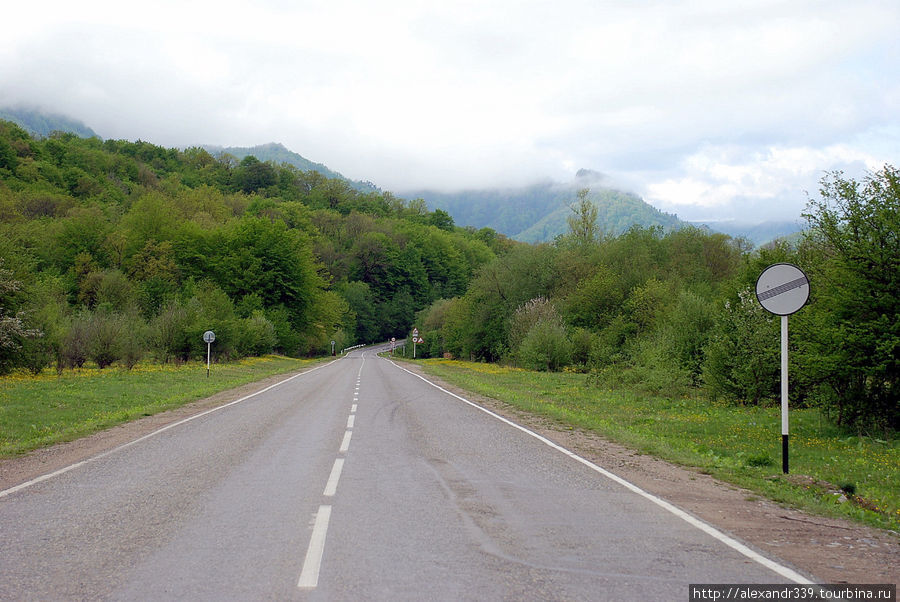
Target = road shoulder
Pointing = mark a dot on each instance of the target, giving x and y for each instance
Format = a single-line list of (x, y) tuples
[(832, 550)]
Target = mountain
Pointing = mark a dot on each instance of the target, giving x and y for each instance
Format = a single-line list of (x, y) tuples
[(538, 213), (535, 213), (277, 153), (759, 234), (41, 124)]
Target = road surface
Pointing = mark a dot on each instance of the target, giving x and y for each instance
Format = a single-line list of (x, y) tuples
[(356, 480)]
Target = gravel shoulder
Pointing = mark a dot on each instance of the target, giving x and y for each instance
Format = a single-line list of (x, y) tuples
[(830, 550)]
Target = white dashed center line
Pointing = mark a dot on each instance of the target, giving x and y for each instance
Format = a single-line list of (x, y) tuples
[(331, 486), (345, 444), (312, 564), (309, 576)]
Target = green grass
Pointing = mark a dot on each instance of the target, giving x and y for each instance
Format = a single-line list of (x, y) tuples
[(36, 411), (740, 445)]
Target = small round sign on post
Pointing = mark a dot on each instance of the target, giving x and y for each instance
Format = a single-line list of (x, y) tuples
[(783, 289), (208, 337)]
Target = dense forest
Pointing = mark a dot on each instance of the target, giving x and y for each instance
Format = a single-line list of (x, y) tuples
[(114, 251), (111, 251), (675, 312)]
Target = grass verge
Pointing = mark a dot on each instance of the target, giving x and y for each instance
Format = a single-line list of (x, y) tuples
[(739, 445), (36, 411)]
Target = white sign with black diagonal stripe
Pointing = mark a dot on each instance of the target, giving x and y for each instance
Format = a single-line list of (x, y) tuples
[(782, 289)]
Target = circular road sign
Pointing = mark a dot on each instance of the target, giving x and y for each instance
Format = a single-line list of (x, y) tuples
[(209, 336), (782, 289)]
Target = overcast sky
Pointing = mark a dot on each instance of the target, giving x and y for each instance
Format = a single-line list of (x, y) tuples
[(708, 109)]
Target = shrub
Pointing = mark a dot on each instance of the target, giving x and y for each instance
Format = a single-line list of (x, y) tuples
[(75, 342), (256, 335), (105, 333), (546, 347), (538, 339), (742, 357)]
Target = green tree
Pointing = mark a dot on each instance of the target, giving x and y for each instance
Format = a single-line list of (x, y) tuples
[(741, 358), (441, 219), (583, 221), (857, 297), (13, 327), (253, 175), (362, 304)]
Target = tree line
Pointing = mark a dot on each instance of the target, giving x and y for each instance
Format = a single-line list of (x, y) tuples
[(675, 312), (113, 251)]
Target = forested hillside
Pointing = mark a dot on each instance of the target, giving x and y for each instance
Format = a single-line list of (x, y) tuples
[(676, 312), (278, 154), (538, 213), (43, 124), (111, 251)]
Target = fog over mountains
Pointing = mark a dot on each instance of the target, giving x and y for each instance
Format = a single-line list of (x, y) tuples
[(534, 213)]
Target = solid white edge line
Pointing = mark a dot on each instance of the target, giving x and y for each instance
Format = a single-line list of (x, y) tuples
[(782, 570), (345, 444), (66, 469), (309, 575), (333, 478)]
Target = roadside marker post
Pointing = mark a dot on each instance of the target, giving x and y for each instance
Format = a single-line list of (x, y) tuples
[(208, 337), (783, 289)]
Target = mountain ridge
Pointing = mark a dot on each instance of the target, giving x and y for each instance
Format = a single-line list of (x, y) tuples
[(40, 123), (277, 152), (534, 213), (539, 212)]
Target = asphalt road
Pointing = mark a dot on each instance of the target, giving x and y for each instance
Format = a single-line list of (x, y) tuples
[(354, 481)]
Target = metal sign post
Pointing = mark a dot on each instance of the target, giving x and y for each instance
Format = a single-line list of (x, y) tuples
[(782, 289), (415, 338), (332, 348), (208, 337)]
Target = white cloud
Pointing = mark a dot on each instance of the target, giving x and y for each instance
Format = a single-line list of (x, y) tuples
[(724, 181), (705, 104)]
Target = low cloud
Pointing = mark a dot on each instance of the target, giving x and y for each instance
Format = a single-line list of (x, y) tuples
[(700, 107)]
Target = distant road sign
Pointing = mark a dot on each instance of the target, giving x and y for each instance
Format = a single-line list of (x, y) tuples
[(415, 332), (782, 289), (209, 336)]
